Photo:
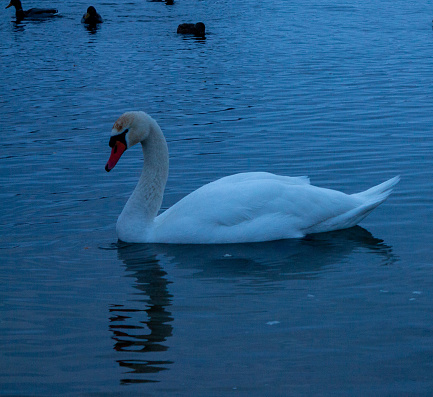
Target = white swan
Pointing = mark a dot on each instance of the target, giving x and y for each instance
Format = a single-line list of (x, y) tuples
[(246, 207)]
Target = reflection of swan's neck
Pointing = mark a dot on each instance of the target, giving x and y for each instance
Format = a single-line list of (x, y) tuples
[(146, 199)]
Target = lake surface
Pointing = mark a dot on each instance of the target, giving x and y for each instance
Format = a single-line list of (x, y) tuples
[(340, 92)]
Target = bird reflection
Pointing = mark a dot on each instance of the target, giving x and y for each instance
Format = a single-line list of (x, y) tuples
[(143, 324), (19, 26), (264, 263), (167, 2), (92, 28)]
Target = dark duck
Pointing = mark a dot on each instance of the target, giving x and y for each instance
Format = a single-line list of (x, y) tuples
[(91, 17), (197, 29), (33, 13)]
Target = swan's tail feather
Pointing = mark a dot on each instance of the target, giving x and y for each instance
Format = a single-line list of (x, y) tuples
[(378, 194), (367, 202)]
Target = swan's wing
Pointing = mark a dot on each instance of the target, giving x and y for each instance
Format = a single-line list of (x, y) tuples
[(238, 198), (250, 208)]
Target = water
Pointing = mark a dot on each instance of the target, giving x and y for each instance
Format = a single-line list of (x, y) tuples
[(339, 92)]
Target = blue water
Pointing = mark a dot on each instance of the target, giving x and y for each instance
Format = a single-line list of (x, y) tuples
[(340, 92)]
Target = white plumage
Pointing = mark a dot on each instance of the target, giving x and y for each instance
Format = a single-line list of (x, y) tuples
[(246, 207)]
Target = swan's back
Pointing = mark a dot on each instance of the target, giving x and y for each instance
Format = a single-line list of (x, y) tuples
[(254, 207)]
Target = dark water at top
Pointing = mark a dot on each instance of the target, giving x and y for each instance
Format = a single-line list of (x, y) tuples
[(340, 92)]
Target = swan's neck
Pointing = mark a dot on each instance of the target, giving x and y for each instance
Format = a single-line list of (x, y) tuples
[(145, 201)]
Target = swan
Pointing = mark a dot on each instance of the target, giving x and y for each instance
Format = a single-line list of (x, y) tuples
[(32, 13), (240, 208)]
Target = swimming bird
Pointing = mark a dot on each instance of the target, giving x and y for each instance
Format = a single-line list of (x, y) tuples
[(33, 13), (167, 2), (240, 208), (91, 17), (197, 29)]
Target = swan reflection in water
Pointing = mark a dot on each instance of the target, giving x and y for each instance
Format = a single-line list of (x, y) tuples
[(141, 325)]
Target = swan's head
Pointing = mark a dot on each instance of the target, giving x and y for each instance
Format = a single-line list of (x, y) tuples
[(129, 129)]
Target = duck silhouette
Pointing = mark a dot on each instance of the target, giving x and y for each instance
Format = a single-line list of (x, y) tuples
[(32, 13), (197, 29), (91, 17)]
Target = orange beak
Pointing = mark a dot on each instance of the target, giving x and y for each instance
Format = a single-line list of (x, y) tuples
[(10, 5), (116, 152)]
